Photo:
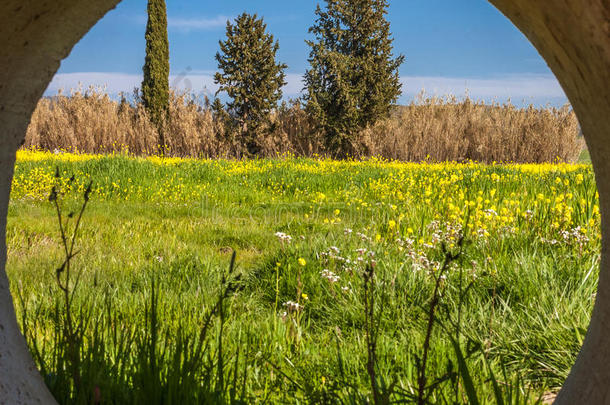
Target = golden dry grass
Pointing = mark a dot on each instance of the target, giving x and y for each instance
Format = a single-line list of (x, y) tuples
[(436, 129), (447, 129)]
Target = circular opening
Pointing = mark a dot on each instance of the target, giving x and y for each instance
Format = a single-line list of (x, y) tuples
[(227, 216)]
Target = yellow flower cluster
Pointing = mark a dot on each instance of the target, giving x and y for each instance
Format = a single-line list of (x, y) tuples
[(393, 195)]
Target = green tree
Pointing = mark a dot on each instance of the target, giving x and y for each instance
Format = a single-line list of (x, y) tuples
[(155, 87), (250, 76), (353, 80)]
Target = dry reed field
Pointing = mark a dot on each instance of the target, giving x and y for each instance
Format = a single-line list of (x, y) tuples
[(431, 129)]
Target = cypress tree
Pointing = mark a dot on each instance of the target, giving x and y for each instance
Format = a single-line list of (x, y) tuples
[(353, 80), (250, 76), (155, 86)]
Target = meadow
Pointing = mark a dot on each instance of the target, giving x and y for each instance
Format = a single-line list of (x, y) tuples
[(368, 281)]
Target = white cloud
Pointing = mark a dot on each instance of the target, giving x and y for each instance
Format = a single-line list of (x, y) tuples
[(195, 81), (190, 24), (537, 89), (197, 24), (294, 85), (113, 83), (501, 88), (521, 89)]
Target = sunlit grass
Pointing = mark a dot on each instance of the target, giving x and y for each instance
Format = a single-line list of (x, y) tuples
[(304, 229)]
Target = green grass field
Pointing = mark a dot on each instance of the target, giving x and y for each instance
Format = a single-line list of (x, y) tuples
[(585, 157), (156, 241)]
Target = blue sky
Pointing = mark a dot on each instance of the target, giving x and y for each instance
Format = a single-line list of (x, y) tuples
[(451, 47)]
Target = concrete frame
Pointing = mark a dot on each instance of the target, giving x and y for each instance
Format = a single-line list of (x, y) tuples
[(573, 36)]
